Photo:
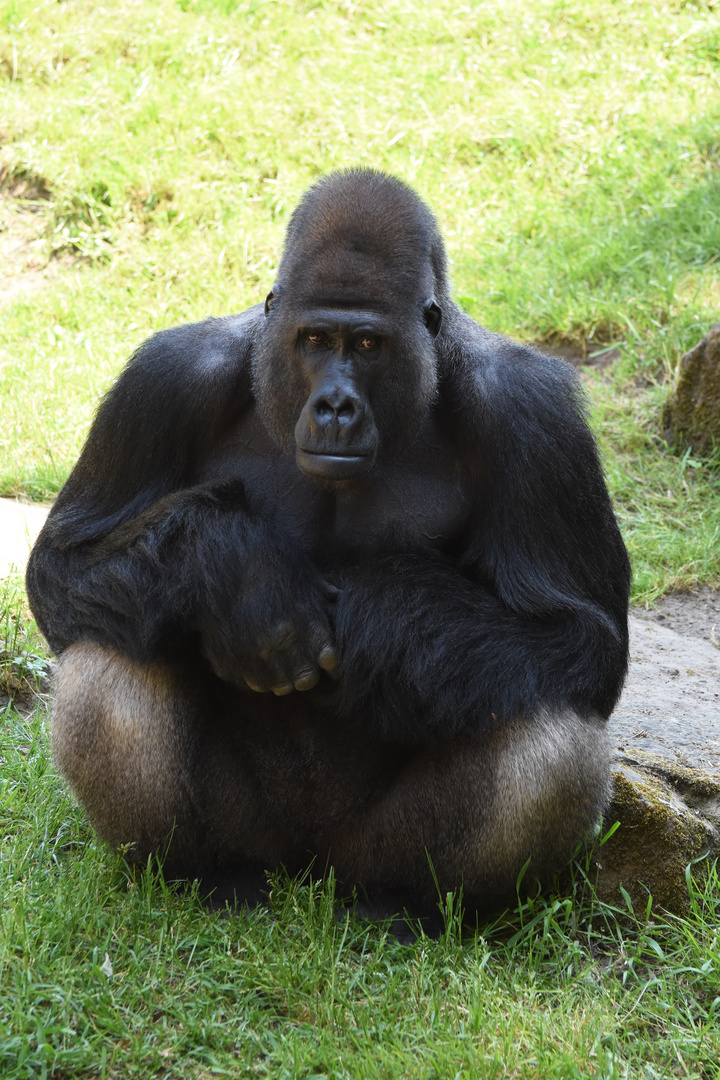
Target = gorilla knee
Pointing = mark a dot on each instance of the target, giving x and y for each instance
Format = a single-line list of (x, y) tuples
[(121, 737), (550, 782), (480, 809)]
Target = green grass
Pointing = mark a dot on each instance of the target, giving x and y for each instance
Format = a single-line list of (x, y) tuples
[(570, 149), (668, 502)]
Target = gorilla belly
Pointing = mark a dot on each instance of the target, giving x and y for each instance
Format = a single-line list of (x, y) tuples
[(316, 769)]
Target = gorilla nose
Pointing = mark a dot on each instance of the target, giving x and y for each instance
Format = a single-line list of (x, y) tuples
[(337, 409)]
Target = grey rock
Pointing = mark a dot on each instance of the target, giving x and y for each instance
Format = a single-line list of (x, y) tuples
[(667, 767), (671, 702)]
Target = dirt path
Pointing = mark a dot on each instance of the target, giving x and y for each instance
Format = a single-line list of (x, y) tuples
[(671, 701), (20, 524)]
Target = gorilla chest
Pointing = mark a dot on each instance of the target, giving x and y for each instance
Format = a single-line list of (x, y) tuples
[(401, 508), (417, 499)]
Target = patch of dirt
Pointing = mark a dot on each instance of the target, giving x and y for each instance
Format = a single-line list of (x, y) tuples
[(26, 260), (20, 524), (692, 614), (26, 695), (581, 354)]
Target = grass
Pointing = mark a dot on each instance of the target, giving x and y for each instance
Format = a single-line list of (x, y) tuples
[(668, 501), (149, 158)]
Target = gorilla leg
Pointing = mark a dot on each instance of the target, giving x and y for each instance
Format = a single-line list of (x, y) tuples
[(150, 758), (480, 809), (161, 766)]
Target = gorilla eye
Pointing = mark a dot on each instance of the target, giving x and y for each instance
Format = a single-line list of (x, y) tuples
[(369, 342), (316, 338)]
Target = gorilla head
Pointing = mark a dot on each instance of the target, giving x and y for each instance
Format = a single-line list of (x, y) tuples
[(346, 366)]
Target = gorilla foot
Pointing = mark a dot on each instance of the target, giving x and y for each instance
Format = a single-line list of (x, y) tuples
[(409, 914), (235, 892)]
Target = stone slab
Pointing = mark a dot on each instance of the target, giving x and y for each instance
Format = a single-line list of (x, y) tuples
[(671, 703), (20, 524)]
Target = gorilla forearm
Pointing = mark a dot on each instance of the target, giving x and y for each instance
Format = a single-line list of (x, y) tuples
[(194, 562), (427, 654), (133, 587)]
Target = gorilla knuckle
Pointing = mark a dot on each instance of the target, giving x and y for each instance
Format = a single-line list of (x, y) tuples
[(283, 637)]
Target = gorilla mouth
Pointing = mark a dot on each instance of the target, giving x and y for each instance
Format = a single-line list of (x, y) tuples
[(334, 466)]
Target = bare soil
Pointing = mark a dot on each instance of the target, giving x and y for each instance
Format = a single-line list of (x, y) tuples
[(692, 614), (27, 261), (671, 702), (581, 353)]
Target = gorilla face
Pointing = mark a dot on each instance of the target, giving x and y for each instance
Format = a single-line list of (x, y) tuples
[(343, 355), (345, 384), (345, 367)]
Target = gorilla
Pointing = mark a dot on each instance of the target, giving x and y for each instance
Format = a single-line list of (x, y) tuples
[(338, 579)]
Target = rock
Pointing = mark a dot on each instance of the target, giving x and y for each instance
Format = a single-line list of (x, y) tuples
[(692, 414), (666, 730), (670, 706), (669, 818)]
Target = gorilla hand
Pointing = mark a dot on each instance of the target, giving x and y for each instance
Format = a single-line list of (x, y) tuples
[(277, 634), (289, 660)]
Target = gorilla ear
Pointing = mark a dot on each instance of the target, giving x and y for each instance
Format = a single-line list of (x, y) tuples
[(269, 301), (433, 317)]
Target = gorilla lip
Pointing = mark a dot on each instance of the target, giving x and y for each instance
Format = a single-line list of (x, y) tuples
[(333, 466)]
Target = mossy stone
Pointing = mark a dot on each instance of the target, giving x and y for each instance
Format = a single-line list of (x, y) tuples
[(669, 817), (692, 414)]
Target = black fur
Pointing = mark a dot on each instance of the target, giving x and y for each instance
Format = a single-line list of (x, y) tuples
[(475, 575)]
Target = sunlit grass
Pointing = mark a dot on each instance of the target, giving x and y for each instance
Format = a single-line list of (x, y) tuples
[(108, 972)]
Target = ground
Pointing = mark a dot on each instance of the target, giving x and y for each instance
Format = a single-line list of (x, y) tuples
[(671, 702)]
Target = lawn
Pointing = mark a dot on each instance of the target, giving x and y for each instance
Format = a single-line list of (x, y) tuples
[(150, 154)]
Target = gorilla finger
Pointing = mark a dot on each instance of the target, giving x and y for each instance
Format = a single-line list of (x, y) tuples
[(305, 680), (253, 684), (329, 661), (283, 637), (331, 591), (283, 689), (280, 638)]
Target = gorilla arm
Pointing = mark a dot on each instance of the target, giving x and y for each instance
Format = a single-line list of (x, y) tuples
[(533, 612), (135, 559)]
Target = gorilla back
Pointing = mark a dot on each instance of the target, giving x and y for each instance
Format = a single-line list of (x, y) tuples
[(339, 578)]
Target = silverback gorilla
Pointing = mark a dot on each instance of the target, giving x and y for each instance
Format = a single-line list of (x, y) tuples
[(339, 579)]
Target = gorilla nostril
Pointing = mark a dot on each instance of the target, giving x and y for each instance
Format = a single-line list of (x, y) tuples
[(325, 409)]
